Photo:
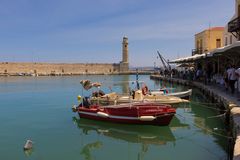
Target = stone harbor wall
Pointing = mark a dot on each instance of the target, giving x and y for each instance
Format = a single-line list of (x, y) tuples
[(228, 102), (7, 68)]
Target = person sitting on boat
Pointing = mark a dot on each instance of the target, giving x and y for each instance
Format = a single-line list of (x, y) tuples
[(132, 93), (144, 89), (98, 93), (164, 89)]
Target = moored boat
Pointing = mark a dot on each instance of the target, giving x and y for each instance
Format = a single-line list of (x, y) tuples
[(182, 94), (130, 113), (137, 96)]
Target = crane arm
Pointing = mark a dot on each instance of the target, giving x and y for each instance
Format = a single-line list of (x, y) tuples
[(161, 58)]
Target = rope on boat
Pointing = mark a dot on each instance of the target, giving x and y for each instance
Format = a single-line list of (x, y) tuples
[(203, 105), (204, 147), (206, 129), (221, 115)]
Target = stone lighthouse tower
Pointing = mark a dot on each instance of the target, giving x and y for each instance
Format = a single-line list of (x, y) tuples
[(124, 64)]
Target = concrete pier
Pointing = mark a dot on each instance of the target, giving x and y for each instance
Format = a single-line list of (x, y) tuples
[(227, 100)]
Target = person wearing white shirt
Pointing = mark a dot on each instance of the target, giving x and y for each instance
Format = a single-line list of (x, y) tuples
[(232, 78)]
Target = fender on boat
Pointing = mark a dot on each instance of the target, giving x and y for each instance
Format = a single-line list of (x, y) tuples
[(185, 101), (102, 114), (146, 118), (74, 108)]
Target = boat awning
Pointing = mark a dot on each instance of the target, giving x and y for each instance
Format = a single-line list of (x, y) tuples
[(185, 65), (233, 48)]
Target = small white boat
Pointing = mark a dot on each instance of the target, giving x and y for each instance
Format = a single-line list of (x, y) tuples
[(114, 98), (183, 94), (140, 95)]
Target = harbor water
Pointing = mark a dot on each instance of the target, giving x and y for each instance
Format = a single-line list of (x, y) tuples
[(39, 108)]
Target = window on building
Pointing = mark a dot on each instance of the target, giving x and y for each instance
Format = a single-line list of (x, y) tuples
[(226, 41), (200, 49), (230, 39), (86, 71), (218, 43)]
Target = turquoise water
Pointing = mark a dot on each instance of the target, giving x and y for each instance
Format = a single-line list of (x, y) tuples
[(39, 108)]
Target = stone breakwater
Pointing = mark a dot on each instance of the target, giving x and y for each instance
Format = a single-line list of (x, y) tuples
[(7, 68)]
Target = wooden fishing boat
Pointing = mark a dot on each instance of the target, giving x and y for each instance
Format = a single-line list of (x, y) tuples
[(183, 94), (130, 113), (140, 95)]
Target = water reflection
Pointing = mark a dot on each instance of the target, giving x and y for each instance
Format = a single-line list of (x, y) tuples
[(177, 124), (28, 153), (125, 85), (144, 136), (153, 135), (204, 116), (87, 149)]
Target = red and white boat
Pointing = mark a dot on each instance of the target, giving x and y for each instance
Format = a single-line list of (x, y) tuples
[(130, 113)]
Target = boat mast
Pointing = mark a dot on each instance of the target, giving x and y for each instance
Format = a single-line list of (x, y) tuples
[(138, 86)]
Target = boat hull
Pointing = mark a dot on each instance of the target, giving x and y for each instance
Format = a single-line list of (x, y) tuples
[(134, 114), (183, 94)]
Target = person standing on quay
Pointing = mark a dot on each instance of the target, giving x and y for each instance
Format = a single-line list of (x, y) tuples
[(232, 78), (225, 76), (238, 74)]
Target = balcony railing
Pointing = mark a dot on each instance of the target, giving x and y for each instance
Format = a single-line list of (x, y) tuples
[(197, 51), (234, 25)]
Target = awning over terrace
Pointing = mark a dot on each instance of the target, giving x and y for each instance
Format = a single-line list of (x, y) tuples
[(233, 49)]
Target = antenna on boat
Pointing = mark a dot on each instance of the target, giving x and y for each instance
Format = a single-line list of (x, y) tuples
[(138, 86), (83, 97), (98, 88), (130, 96)]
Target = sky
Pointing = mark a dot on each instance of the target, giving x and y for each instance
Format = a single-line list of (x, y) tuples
[(91, 31)]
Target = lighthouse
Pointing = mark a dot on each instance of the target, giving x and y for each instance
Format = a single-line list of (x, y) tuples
[(124, 64)]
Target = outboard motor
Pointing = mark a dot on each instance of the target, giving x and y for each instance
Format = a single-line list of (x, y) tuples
[(86, 102)]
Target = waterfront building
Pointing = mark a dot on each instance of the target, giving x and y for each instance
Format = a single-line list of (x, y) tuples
[(215, 61), (208, 40), (37, 68), (232, 29)]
